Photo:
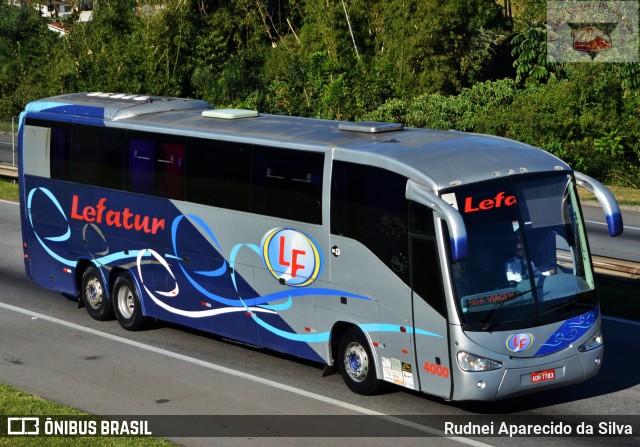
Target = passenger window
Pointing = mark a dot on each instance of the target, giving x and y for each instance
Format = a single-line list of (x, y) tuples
[(287, 184), (59, 146), (96, 156), (368, 204), (427, 278), (156, 165), (422, 220), (219, 173)]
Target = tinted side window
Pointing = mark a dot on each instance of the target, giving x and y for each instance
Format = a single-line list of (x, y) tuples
[(91, 155), (219, 173), (287, 184), (427, 279), (156, 165), (97, 156), (59, 145), (422, 220), (426, 276), (368, 204)]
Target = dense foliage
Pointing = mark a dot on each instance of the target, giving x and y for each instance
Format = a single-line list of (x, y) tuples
[(452, 64)]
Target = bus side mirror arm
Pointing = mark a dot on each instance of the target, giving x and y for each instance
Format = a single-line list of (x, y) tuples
[(457, 229), (607, 201)]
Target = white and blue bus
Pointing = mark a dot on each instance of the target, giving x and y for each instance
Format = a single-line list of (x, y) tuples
[(450, 263)]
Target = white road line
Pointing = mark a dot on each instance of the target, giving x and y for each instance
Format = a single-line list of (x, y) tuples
[(602, 223), (240, 374)]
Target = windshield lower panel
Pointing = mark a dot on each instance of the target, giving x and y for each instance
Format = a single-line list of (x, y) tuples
[(528, 262)]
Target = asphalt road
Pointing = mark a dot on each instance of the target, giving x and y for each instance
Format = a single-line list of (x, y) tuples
[(626, 246), (55, 350)]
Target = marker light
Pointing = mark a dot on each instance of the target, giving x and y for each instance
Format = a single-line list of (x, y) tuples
[(593, 343), (473, 363)]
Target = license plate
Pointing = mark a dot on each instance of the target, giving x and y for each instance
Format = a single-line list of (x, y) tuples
[(541, 376)]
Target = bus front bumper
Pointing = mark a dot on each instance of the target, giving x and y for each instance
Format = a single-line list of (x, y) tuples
[(512, 381)]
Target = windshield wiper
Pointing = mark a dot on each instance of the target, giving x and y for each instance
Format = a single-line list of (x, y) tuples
[(560, 305), (487, 321)]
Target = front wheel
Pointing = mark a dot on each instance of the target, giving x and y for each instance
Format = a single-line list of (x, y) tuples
[(94, 296), (356, 363), (126, 303)]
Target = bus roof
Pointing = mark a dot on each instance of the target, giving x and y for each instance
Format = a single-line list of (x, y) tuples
[(439, 159)]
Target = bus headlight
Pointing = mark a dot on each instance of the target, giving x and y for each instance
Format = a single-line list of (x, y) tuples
[(593, 343), (473, 363)]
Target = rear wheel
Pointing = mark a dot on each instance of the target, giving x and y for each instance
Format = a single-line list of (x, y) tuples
[(126, 303), (94, 297), (356, 363)]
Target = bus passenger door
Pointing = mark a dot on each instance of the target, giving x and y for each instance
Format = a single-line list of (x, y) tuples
[(429, 306)]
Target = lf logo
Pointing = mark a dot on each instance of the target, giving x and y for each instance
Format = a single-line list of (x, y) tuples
[(519, 342), (295, 253), (291, 256), (23, 426)]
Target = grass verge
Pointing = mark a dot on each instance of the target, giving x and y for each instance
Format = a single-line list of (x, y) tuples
[(9, 190), (7, 127), (625, 196), (14, 402)]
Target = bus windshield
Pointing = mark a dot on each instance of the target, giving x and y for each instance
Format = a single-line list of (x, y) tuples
[(528, 260)]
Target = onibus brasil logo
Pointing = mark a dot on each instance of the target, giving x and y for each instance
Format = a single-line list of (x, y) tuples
[(592, 38), (604, 31), (291, 256)]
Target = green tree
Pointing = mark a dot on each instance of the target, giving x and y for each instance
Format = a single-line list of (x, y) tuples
[(467, 111), (530, 53), (101, 48), (630, 74), (28, 52), (136, 48), (232, 44), (348, 57), (432, 46), (527, 12)]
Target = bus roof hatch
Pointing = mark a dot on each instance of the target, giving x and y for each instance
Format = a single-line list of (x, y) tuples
[(229, 114), (370, 126)]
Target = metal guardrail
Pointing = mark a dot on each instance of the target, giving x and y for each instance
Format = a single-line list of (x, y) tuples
[(8, 171), (6, 157), (8, 142), (617, 268)]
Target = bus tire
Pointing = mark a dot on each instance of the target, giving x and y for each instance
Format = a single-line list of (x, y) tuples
[(126, 303), (356, 363), (93, 295)]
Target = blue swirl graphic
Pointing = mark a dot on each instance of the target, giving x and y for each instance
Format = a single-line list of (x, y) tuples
[(53, 199), (279, 307), (570, 331), (284, 298), (324, 336), (213, 273), (380, 327)]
